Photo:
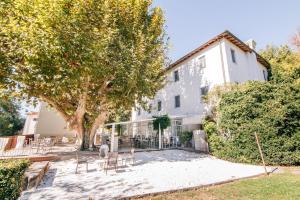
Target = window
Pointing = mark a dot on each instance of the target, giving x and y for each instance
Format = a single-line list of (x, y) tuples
[(176, 76), (177, 101), (233, 55), (204, 90), (159, 106), (202, 62), (265, 75)]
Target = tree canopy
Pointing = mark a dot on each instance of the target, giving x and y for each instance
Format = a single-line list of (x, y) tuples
[(85, 58), (285, 63), (163, 122)]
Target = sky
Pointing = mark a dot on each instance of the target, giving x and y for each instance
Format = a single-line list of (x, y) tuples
[(190, 23)]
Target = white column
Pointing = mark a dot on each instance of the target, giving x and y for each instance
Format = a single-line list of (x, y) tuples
[(159, 137), (112, 138)]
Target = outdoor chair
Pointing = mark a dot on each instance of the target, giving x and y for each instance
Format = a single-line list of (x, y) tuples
[(112, 161), (48, 144), (36, 144), (80, 160), (103, 155), (130, 156), (167, 142), (64, 140), (36, 137)]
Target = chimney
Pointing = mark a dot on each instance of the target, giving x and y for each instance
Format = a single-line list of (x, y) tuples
[(251, 43)]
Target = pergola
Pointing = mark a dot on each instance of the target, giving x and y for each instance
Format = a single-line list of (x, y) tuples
[(136, 127)]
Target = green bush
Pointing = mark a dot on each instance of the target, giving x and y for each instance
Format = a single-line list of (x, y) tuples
[(214, 141), (185, 137), (270, 109), (11, 178), (210, 128), (161, 121)]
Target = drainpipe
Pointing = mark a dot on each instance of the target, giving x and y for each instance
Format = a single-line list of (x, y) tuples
[(222, 62)]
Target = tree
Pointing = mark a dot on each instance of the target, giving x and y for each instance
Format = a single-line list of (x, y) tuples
[(161, 121), (296, 39), (285, 63), (86, 59), (11, 121)]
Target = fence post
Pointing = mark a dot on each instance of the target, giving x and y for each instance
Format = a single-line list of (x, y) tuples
[(260, 151), (112, 139), (159, 137)]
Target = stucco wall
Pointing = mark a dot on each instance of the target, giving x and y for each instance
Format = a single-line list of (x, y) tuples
[(50, 123), (191, 79), (246, 66), (30, 124)]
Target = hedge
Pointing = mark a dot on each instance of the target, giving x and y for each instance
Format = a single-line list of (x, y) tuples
[(270, 109), (11, 178)]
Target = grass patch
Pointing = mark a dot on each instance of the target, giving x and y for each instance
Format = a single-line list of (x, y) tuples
[(276, 187)]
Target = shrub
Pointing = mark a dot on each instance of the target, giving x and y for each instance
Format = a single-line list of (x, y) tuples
[(185, 137), (270, 109), (161, 121), (210, 128), (214, 141), (11, 178)]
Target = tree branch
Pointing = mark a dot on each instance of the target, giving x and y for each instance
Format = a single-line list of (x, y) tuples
[(100, 119)]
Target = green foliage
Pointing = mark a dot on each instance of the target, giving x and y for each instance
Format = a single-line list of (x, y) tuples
[(10, 119), (162, 121), (11, 178), (285, 63), (185, 137), (215, 142), (210, 128), (86, 59), (270, 109)]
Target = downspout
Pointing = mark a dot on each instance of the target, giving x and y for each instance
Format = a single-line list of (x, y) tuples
[(222, 62)]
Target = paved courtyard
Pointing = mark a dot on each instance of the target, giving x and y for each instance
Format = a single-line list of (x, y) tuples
[(154, 171)]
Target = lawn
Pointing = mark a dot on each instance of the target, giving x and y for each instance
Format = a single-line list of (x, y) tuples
[(279, 186)]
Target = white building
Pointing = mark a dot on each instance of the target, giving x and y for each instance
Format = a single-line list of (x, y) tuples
[(223, 59), (46, 122), (30, 123)]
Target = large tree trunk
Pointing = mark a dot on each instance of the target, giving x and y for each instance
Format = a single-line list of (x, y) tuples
[(85, 143), (86, 136)]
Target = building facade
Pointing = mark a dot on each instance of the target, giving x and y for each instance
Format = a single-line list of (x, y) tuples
[(46, 122), (223, 59)]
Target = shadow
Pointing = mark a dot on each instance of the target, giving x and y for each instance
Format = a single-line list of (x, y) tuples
[(48, 178)]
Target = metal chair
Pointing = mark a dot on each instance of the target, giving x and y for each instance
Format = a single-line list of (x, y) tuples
[(112, 161), (103, 155), (81, 161), (130, 156)]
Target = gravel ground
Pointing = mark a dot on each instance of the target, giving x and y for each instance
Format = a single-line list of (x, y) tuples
[(154, 171)]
